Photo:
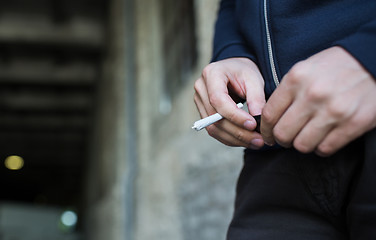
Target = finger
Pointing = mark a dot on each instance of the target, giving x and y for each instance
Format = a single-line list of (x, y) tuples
[(224, 105), (335, 140), (291, 123), (234, 136), (200, 106), (312, 134), (205, 106), (202, 94), (255, 96), (224, 131), (250, 86), (238, 132), (277, 104), (341, 135)]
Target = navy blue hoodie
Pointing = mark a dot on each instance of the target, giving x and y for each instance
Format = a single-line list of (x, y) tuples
[(277, 34)]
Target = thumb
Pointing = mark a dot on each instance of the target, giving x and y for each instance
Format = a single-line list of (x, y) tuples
[(255, 98)]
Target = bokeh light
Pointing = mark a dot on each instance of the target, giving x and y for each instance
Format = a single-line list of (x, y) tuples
[(69, 218), (14, 162)]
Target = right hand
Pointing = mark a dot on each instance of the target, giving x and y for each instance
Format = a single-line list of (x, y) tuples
[(220, 85)]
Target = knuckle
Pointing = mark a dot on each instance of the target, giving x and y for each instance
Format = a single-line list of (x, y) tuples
[(366, 120), (232, 117), (197, 85), (215, 99), (325, 149), (316, 93), (281, 137), (240, 136), (207, 70), (302, 146), (337, 111), (267, 115), (212, 131), (297, 73)]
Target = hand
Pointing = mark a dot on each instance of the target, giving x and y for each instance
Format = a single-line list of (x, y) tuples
[(223, 82), (322, 104)]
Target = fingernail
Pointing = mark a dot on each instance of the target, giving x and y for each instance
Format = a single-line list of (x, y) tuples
[(250, 125), (257, 142), (269, 143)]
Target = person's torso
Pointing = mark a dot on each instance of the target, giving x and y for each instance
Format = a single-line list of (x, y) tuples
[(283, 32)]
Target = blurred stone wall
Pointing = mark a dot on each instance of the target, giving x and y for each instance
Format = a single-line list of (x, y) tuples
[(156, 178), (186, 181)]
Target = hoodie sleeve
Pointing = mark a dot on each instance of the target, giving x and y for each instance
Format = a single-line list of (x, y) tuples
[(228, 41), (362, 45)]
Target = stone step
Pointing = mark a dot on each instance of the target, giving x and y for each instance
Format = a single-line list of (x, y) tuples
[(41, 100), (38, 30), (43, 122), (44, 71)]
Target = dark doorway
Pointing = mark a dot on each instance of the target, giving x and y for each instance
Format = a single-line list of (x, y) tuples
[(50, 58)]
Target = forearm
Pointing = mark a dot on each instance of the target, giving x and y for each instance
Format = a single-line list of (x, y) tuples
[(228, 40)]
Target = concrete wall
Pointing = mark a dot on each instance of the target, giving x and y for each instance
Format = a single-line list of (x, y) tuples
[(151, 175), (107, 177)]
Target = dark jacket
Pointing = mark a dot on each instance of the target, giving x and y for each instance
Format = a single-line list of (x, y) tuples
[(277, 34)]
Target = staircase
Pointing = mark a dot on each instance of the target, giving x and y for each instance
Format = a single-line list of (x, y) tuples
[(50, 61)]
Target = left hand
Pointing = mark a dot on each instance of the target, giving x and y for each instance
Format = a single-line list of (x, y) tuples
[(322, 104)]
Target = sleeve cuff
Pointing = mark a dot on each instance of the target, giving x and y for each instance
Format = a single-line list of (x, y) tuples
[(232, 50)]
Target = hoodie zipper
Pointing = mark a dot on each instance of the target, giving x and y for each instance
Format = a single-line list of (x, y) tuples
[(270, 47)]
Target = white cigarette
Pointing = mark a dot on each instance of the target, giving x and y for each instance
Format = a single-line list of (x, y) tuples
[(203, 123)]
